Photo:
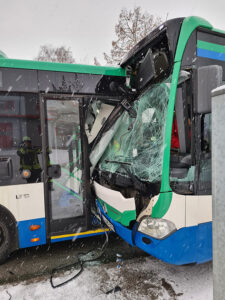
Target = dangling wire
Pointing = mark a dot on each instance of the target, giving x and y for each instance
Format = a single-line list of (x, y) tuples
[(80, 263)]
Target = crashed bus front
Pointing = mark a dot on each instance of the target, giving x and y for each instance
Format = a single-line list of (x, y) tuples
[(154, 196)]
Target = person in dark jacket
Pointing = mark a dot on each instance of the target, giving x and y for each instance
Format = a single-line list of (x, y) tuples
[(29, 162)]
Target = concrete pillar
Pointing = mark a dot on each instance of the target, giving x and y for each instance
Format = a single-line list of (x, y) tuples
[(218, 191)]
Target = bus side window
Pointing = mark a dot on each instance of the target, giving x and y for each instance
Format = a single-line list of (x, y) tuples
[(20, 139), (182, 172)]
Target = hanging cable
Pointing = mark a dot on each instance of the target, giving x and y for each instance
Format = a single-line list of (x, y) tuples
[(80, 263)]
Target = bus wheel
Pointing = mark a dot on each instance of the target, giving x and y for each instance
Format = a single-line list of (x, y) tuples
[(6, 233)]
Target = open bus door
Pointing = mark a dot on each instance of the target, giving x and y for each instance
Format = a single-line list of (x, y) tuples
[(66, 183)]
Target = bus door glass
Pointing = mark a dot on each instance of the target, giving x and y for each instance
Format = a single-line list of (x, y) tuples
[(63, 163)]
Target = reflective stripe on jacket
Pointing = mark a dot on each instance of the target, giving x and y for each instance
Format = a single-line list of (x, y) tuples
[(29, 158)]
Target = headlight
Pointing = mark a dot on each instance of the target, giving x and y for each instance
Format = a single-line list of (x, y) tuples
[(156, 228)]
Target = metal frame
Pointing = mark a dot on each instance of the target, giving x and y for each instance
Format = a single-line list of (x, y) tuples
[(55, 226)]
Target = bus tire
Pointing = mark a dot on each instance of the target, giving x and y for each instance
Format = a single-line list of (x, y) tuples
[(8, 237)]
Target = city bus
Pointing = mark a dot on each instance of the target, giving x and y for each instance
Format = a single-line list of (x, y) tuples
[(49, 114), (154, 193)]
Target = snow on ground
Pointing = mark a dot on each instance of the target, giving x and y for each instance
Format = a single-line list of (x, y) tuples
[(140, 278)]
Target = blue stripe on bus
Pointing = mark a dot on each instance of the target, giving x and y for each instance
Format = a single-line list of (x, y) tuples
[(26, 235), (210, 54)]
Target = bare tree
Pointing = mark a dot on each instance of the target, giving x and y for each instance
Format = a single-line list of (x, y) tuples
[(132, 26), (55, 54)]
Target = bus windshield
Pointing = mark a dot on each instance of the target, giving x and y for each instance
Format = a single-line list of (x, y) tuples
[(137, 145), (132, 150)]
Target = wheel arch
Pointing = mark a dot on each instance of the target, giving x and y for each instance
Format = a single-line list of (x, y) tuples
[(13, 229)]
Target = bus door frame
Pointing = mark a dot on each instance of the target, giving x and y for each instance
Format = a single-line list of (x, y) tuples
[(82, 223)]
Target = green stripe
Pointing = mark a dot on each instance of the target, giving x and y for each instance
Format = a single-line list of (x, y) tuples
[(49, 66), (210, 46), (122, 217), (165, 197), (188, 26), (71, 174)]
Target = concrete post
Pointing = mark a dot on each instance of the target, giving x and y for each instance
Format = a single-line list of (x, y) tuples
[(218, 191)]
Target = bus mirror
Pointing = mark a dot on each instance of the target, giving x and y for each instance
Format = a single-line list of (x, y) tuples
[(54, 171), (146, 71), (207, 79)]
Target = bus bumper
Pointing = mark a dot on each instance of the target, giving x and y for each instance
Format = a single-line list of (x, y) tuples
[(184, 246)]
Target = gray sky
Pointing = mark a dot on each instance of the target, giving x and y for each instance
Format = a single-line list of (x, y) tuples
[(86, 26)]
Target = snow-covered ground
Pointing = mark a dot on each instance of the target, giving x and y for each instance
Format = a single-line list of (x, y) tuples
[(139, 278)]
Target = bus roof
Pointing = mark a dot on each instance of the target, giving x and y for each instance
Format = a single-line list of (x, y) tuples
[(60, 67)]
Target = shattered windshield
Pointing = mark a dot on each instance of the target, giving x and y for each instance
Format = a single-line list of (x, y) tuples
[(137, 145)]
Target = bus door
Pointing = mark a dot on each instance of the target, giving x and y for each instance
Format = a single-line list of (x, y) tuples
[(64, 165)]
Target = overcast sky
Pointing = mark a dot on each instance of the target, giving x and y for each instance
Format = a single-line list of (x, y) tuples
[(86, 26)]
